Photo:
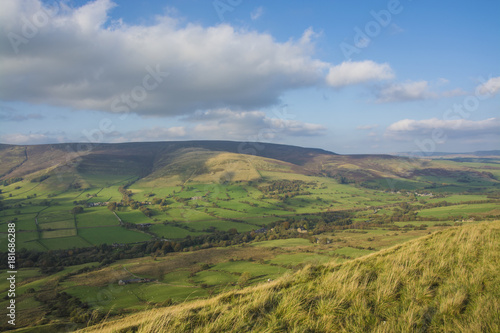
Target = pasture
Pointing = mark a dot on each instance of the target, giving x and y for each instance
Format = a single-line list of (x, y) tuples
[(352, 252), (461, 210), (110, 235), (171, 232), (199, 206)]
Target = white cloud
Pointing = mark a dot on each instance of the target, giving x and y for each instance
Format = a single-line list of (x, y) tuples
[(91, 17), (492, 86), (408, 129), (294, 127), (156, 133), (224, 124), (256, 13), (367, 127), (33, 138), (408, 91), (249, 126), (348, 73), (414, 90), (79, 59)]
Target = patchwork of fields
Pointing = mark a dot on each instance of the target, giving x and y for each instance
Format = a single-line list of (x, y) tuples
[(45, 220)]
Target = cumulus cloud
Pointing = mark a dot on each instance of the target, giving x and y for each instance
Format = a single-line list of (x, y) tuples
[(348, 73), (78, 58), (250, 125), (413, 91), (408, 91), (458, 128), (490, 87), (223, 124)]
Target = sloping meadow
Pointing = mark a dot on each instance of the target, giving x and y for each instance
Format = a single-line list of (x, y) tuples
[(445, 282)]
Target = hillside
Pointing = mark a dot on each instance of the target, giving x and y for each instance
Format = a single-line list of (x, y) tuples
[(59, 194), (18, 161), (200, 218), (175, 163), (445, 282)]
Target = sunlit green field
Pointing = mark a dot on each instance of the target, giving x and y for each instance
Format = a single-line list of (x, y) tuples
[(461, 210), (195, 208)]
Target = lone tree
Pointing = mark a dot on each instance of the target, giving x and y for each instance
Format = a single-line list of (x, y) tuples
[(77, 210)]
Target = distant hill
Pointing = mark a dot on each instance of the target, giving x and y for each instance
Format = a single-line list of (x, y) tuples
[(487, 153), (446, 282), (483, 153), (177, 162), (18, 160)]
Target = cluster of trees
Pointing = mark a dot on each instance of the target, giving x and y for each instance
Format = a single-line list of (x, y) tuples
[(341, 179), (127, 194), (146, 211), (284, 189), (75, 186), (181, 200), (39, 179), (316, 224), (112, 206), (7, 182), (129, 225), (405, 212), (66, 306), (161, 202)]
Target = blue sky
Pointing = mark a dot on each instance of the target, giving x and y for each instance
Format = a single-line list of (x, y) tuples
[(346, 76)]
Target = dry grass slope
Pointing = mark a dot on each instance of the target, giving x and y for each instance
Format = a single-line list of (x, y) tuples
[(445, 282)]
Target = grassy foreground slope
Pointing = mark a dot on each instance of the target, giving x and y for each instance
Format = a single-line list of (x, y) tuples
[(446, 282)]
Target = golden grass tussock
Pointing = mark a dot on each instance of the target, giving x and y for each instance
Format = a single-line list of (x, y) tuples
[(448, 281)]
